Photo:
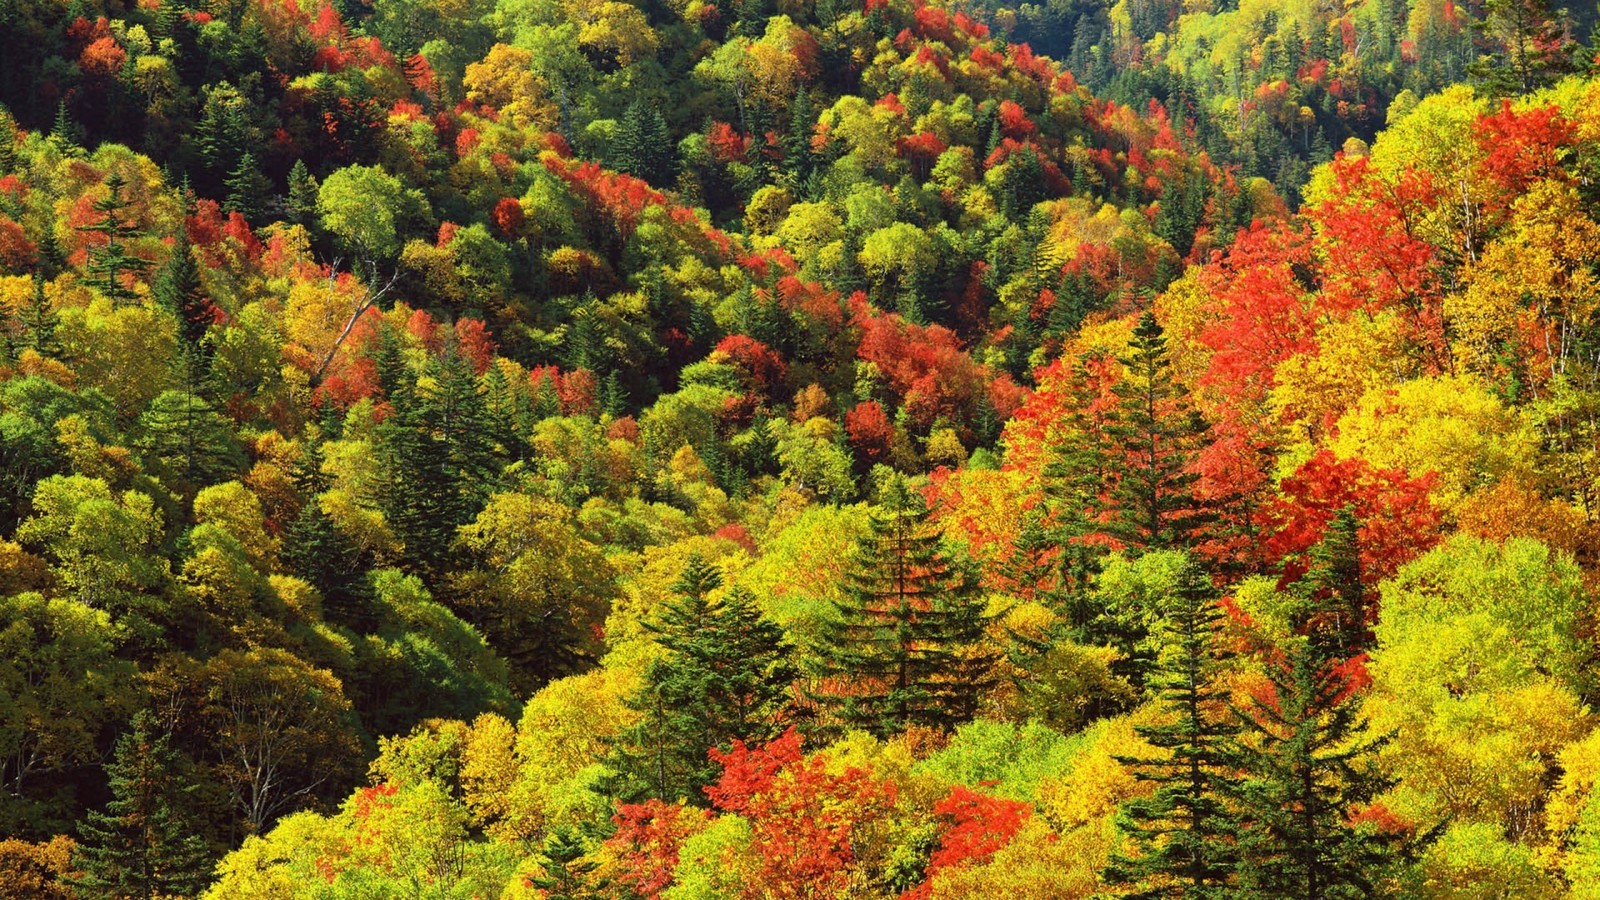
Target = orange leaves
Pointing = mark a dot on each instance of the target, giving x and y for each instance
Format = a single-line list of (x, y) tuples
[(1521, 147), (1264, 313), (647, 841), (1398, 522), (104, 57)]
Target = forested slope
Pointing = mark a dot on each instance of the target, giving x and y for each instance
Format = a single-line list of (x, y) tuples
[(608, 449)]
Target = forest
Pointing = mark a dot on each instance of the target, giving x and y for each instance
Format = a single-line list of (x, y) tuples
[(799, 450)]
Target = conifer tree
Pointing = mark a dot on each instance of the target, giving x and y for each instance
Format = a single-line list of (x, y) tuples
[(315, 549), (144, 844), (1529, 46), (725, 676), (39, 323), (64, 132), (1337, 610), (110, 263), (643, 145), (905, 649), (302, 197), (567, 875), (178, 290), (1156, 435), (1184, 831), (247, 188)]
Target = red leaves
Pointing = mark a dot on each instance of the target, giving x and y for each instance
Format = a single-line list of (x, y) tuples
[(871, 432), (1264, 313), (1522, 147), (647, 840), (727, 144), (1398, 522), (508, 218), (16, 251), (802, 816), (926, 368), (103, 57), (762, 368), (975, 827), (1014, 123), (475, 343)]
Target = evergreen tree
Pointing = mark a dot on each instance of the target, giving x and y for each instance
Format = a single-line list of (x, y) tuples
[(1157, 435), (315, 549), (905, 649), (1184, 831), (725, 676), (301, 202), (178, 290), (247, 189), (64, 132), (39, 323), (643, 145), (567, 875), (110, 263), (1529, 46), (188, 441), (143, 845), (798, 158), (1336, 610)]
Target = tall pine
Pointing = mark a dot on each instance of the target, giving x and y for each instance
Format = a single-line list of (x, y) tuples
[(110, 264), (906, 648), (143, 844), (1156, 435), (725, 675), (1184, 831)]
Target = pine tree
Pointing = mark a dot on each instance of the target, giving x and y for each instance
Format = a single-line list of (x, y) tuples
[(143, 845), (798, 159), (906, 647), (725, 676), (302, 198), (643, 145), (39, 322), (1337, 609), (1157, 435), (178, 290), (64, 132), (1184, 831), (110, 263), (1529, 45), (247, 189), (317, 550), (567, 875)]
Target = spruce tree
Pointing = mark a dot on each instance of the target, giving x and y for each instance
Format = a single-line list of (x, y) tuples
[(64, 132), (1156, 435), (144, 844), (725, 676), (247, 189), (905, 649), (643, 145), (39, 322), (1184, 831), (317, 550), (110, 263), (1336, 608), (178, 290), (302, 198), (567, 875)]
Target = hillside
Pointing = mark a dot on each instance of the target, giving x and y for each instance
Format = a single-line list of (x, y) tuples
[(914, 450)]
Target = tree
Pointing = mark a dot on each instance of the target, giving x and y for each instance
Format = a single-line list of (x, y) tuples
[(247, 189), (1156, 435), (187, 441), (905, 647), (302, 198), (566, 874), (110, 263), (39, 322), (178, 290), (363, 207), (725, 676), (1529, 46), (643, 146), (145, 844), (1185, 830), (316, 549), (1309, 765)]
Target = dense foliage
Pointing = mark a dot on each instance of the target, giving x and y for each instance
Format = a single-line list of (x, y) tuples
[(608, 449)]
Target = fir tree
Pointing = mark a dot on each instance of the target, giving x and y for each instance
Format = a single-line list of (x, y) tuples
[(1529, 46), (725, 676), (39, 322), (1184, 831), (178, 290), (64, 132), (110, 263), (302, 199), (1336, 610), (247, 189), (643, 146), (905, 649), (567, 875), (1157, 435), (143, 845), (317, 550)]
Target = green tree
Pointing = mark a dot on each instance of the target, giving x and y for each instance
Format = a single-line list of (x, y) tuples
[(39, 322), (1529, 46), (178, 290), (725, 676), (110, 263), (192, 445), (905, 648), (1156, 435), (302, 197), (567, 875), (1184, 831), (145, 844), (247, 189), (643, 146)]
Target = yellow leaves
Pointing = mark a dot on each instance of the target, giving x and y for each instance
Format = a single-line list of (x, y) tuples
[(124, 351), (1534, 284), (1097, 784), (1355, 355), (1037, 864), (504, 79), (233, 508), (1450, 425), (616, 29)]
